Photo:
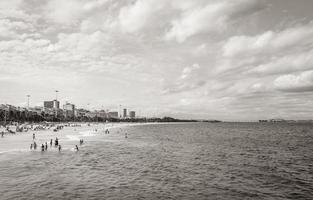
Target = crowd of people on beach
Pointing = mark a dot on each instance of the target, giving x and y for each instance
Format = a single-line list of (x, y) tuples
[(44, 146), (53, 142)]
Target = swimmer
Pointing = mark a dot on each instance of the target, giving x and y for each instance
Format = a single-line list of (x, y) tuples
[(56, 143)]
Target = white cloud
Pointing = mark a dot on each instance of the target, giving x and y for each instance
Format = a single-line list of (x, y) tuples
[(269, 42), (191, 77), (91, 5), (64, 12), (134, 17), (214, 17), (10, 29), (295, 83), (286, 64)]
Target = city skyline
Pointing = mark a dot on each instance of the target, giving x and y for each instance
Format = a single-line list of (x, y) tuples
[(228, 60)]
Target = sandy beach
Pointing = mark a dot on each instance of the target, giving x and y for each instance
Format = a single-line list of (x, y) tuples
[(68, 137)]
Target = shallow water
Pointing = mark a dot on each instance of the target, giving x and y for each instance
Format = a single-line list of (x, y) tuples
[(163, 161)]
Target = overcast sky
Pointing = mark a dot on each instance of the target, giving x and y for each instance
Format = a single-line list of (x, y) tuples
[(214, 59)]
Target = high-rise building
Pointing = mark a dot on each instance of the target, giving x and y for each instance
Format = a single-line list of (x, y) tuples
[(55, 104), (113, 115), (124, 112), (132, 114), (69, 106), (69, 110)]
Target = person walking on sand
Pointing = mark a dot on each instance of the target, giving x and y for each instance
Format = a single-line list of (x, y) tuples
[(46, 146), (31, 146), (35, 145), (51, 141), (34, 136)]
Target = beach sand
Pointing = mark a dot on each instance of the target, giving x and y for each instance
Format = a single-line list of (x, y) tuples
[(68, 137)]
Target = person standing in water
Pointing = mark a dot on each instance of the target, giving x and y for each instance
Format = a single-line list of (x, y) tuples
[(35, 145), (34, 136), (51, 141), (42, 147), (56, 143), (60, 147), (46, 146), (31, 146), (76, 147)]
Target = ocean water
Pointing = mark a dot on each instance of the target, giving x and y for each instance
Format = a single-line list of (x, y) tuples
[(162, 161)]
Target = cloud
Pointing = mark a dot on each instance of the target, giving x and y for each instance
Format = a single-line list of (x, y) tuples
[(269, 42), (10, 29), (134, 17), (286, 64), (191, 77), (295, 83), (212, 18), (269, 53), (64, 12)]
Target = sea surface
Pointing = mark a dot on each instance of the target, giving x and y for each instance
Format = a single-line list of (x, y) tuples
[(162, 161)]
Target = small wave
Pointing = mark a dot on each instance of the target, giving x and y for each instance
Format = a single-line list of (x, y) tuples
[(87, 133), (14, 151), (72, 137)]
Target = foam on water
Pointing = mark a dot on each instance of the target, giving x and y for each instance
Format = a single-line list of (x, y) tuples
[(72, 137), (87, 133)]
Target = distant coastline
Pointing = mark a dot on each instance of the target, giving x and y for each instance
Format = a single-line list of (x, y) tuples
[(9, 114)]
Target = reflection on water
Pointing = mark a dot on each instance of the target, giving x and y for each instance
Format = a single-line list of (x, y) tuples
[(168, 161)]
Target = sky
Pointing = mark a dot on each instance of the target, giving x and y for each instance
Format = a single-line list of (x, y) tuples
[(236, 60)]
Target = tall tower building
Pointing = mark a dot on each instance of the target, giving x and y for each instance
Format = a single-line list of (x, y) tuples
[(132, 114), (124, 112), (51, 104)]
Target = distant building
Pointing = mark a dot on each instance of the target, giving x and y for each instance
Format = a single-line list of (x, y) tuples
[(132, 114), (69, 110), (92, 114), (55, 104), (113, 115), (80, 112), (102, 114), (124, 113), (277, 120), (37, 110)]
